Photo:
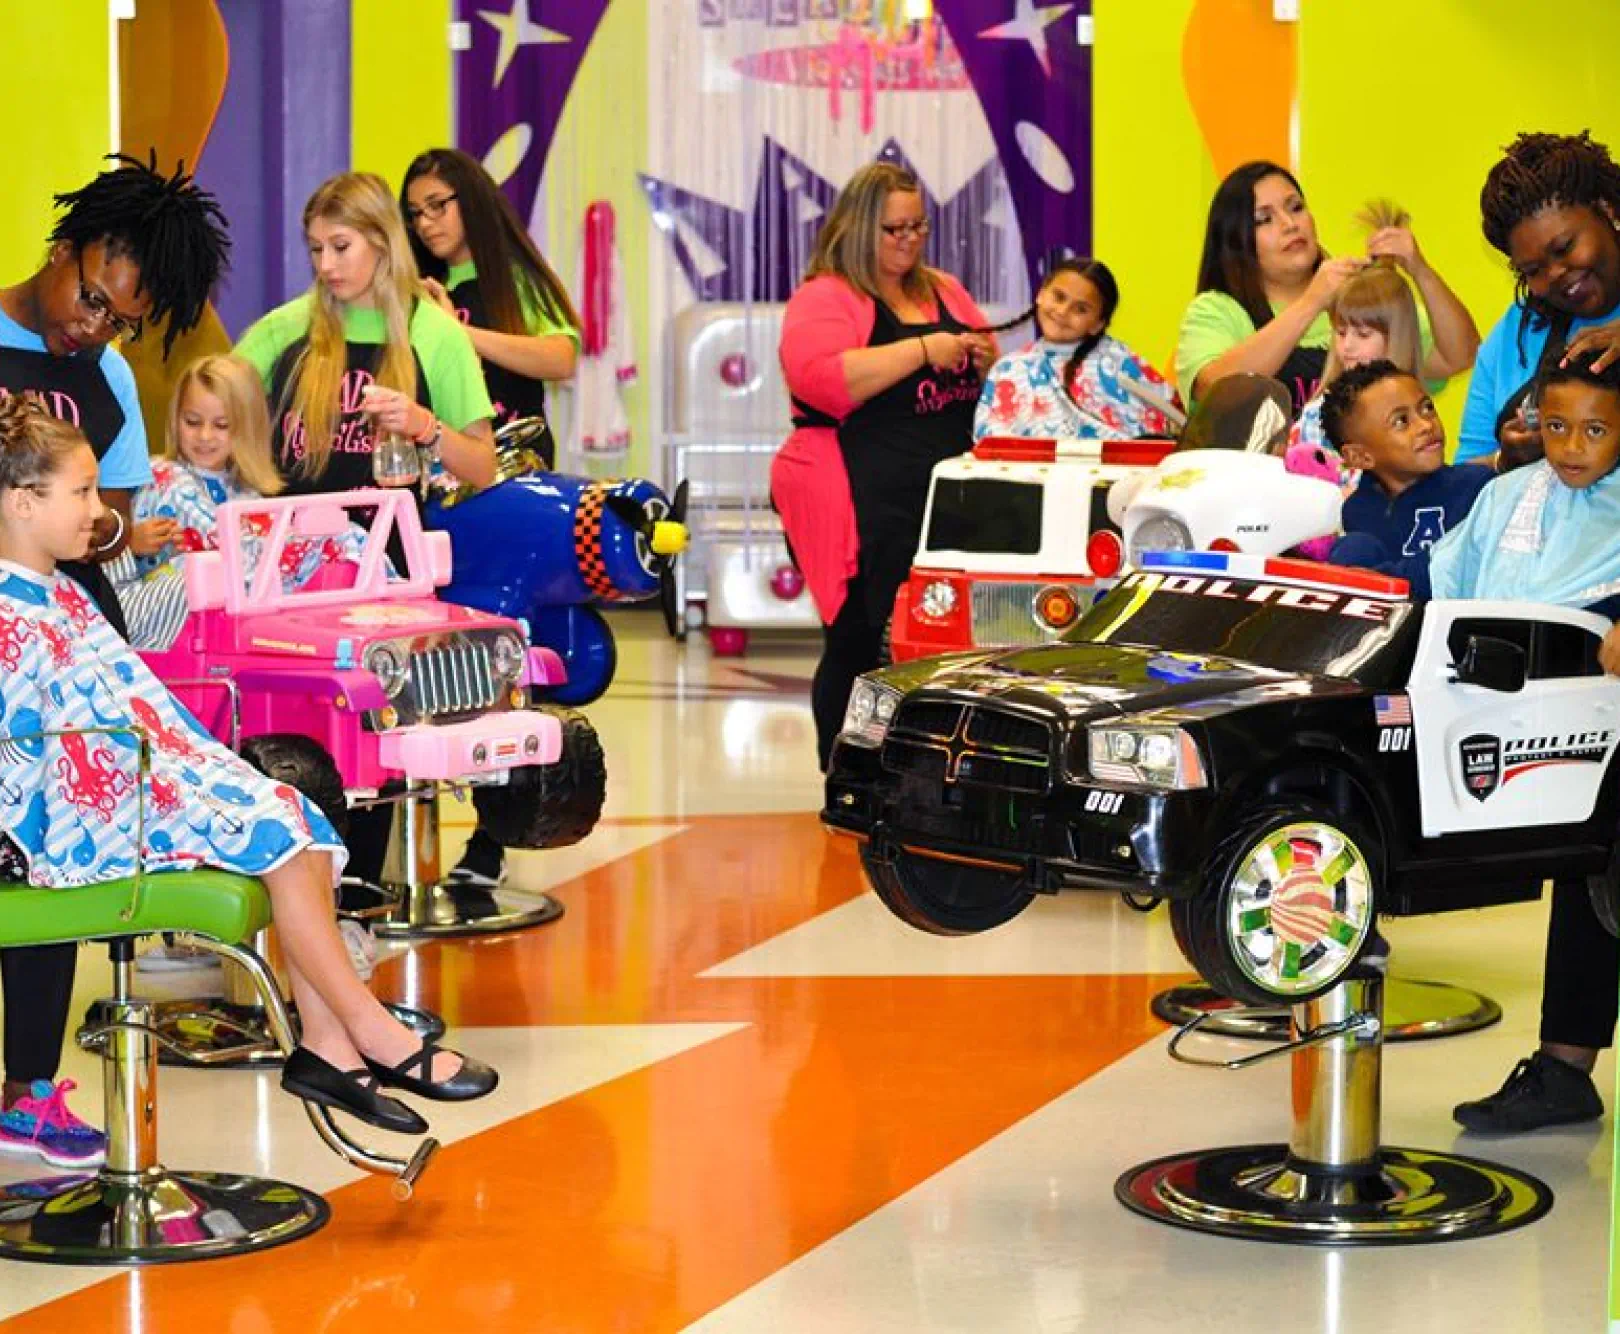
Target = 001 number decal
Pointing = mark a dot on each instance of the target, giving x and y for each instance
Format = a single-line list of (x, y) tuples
[(1105, 803), (1392, 739)]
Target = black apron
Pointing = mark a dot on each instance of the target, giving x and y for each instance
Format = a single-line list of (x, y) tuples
[(74, 389), (512, 394), (890, 445), (1301, 375), (348, 467)]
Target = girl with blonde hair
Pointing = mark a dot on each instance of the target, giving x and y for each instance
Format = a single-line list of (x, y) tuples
[(364, 352)]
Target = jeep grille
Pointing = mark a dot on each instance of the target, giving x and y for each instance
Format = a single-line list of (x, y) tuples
[(454, 678), (1004, 611)]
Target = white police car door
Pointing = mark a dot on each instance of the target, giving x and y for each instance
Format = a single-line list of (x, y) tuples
[(1491, 759)]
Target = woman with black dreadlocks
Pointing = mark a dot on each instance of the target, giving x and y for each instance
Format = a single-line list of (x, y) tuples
[(1552, 206), (133, 246)]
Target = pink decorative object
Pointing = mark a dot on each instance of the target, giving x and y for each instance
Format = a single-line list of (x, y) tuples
[(736, 370), (786, 582), (727, 641), (1307, 460)]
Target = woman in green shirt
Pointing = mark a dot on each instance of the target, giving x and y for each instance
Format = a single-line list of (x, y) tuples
[(1265, 285), (481, 266), (364, 351)]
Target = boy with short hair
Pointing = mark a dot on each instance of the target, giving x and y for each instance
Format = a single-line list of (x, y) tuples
[(1382, 421)]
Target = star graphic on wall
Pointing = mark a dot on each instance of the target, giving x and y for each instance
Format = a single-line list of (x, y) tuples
[(1029, 24), (517, 30)]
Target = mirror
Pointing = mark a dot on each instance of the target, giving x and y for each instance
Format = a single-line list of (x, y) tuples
[(1495, 664)]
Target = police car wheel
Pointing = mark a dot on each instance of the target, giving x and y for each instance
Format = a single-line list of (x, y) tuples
[(549, 805), (946, 898), (1605, 893), (1290, 902), (302, 763)]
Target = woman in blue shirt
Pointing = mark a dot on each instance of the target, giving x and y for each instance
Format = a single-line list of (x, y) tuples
[(1552, 206)]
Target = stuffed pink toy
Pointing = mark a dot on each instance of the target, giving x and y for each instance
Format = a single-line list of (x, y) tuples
[(1308, 460)]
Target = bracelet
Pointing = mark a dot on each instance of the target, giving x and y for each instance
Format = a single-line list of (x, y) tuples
[(118, 533), (430, 437), (922, 341), (431, 444)]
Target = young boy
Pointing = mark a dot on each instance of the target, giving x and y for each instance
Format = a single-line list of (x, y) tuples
[(1545, 533), (1382, 421)]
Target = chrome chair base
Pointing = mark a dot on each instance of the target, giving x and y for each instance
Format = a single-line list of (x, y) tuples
[(435, 911), (158, 1217), (1258, 1193), (1414, 1011)]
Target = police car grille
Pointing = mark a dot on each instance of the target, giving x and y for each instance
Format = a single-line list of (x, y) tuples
[(997, 771), (927, 717), (452, 679), (920, 760), (1009, 731)]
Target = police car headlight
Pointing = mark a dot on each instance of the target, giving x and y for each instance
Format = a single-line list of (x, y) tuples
[(1146, 755), (871, 710), (390, 666), (1160, 533)]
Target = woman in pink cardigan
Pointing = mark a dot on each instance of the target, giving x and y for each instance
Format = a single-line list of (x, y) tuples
[(884, 365)]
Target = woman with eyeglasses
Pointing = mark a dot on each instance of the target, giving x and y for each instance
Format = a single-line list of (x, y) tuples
[(479, 264), (884, 366), (131, 247)]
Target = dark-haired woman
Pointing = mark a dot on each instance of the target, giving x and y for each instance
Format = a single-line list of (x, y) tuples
[(1264, 288), (1552, 206), (479, 264), (1074, 380)]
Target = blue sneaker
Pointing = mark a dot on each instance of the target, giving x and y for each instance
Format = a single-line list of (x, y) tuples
[(41, 1126)]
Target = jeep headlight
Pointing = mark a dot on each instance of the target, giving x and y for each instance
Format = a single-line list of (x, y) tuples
[(506, 657), (390, 666), (1159, 533), (938, 600), (870, 711), (1150, 755)]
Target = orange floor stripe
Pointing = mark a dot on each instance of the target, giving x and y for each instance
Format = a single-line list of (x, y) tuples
[(646, 1202)]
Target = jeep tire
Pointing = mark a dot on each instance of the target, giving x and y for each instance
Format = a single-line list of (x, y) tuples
[(549, 805), (1229, 933), (298, 761), (945, 898)]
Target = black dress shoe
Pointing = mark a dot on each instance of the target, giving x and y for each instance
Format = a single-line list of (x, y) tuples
[(308, 1076), (473, 1080)]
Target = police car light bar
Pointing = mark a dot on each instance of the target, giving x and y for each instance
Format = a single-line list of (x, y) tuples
[(1277, 569), (1012, 449)]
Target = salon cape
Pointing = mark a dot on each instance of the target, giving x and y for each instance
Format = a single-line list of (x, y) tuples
[(1530, 538)]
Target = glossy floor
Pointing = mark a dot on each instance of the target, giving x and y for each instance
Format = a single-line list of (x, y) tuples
[(738, 1096)]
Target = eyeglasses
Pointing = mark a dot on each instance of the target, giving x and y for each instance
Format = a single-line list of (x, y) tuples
[(98, 310), (431, 208), (898, 230)]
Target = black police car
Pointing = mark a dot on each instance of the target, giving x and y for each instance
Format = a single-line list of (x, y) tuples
[(1280, 749)]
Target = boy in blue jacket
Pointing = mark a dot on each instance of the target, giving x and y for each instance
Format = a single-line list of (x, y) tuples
[(1382, 420)]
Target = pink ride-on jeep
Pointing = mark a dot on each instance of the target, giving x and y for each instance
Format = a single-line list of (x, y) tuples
[(362, 686)]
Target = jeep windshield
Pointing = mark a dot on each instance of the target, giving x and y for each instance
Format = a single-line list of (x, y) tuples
[(1317, 631), (981, 515)]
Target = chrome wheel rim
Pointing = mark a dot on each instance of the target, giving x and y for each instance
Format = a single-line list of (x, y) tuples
[(1300, 907)]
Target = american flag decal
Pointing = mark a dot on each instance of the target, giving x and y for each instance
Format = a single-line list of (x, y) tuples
[(1392, 710)]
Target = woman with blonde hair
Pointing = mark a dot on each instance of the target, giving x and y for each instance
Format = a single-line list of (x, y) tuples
[(216, 449), (884, 365), (364, 352)]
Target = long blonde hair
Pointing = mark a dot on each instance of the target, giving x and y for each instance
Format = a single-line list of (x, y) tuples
[(360, 200), (847, 244), (236, 384)]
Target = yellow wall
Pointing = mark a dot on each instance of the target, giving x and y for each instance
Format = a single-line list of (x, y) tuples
[(55, 103), (401, 94)]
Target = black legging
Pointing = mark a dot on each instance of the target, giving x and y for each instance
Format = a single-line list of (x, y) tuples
[(852, 644), (1580, 983)]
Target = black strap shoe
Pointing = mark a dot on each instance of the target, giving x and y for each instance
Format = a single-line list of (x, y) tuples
[(473, 1080), (308, 1076), (1541, 1091)]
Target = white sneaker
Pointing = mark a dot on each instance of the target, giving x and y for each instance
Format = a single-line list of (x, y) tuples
[(163, 958), (362, 947)]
